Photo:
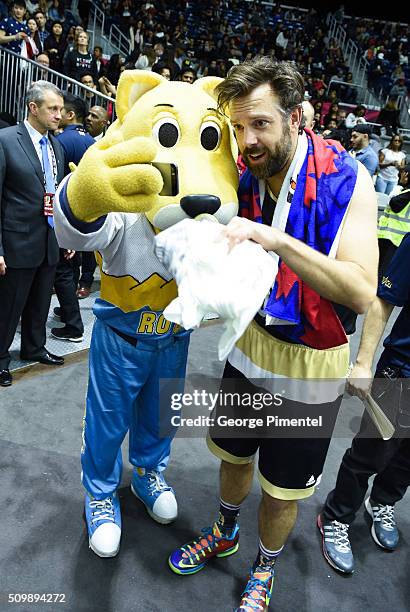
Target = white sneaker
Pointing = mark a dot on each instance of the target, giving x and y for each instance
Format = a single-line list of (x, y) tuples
[(159, 499), (103, 518)]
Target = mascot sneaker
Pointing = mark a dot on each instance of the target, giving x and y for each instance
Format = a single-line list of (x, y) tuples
[(258, 591), (193, 556), (103, 518), (158, 498)]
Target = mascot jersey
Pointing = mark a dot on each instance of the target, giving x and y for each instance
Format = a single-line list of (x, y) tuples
[(123, 391), (135, 286)]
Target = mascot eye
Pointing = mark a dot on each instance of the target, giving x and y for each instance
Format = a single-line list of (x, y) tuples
[(166, 131), (210, 135)]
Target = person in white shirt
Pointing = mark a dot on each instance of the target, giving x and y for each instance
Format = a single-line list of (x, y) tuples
[(391, 160)]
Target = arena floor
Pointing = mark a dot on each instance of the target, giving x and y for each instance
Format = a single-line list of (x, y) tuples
[(43, 536)]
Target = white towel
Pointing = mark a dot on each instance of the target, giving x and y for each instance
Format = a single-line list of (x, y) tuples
[(211, 278)]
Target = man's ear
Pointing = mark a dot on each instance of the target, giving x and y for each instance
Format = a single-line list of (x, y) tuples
[(296, 117), (132, 85)]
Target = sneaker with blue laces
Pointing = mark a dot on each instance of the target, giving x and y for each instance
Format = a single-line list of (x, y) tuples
[(194, 555), (336, 546), (150, 487), (103, 518), (258, 591), (384, 528)]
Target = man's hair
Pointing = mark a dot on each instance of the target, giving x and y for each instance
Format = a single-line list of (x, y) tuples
[(85, 73), (76, 105), (39, 11), (37, 91), (363, 128), (20, 3), (284, 79)]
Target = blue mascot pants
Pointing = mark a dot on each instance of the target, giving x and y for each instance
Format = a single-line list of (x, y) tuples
[(123, 394)]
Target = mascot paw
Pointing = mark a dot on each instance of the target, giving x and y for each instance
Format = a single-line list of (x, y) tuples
[(115, 175)]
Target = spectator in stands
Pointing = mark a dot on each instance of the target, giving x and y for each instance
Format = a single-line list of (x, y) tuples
[(136, 35), (99, 62), (75, 141), (96, 122), (159, 53), (31, 45), (14, 29), (114, 68), (56, 11), (391, 160), (55, 46), (308, 114), (43, 33), (87, 79), (28, 258), (399, 88), (163, 69), (356, 117), (71, 38), (361, 148), (79, 60), (187, 75), (43, 60), (348, 94), (389, 116)]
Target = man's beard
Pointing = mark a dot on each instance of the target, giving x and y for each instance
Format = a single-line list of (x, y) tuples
[(276, 158)]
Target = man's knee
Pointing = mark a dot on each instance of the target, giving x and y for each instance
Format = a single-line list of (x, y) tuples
[(275, 504)]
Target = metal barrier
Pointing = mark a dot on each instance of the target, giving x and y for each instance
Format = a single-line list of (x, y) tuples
[(107, 35), (17, 74)]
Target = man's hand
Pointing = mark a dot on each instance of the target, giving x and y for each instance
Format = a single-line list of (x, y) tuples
[(239, 229), (115, 175), (2, 266), (360, 381), (69, 254)]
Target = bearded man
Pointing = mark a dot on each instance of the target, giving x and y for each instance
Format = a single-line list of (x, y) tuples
[(313, 208)]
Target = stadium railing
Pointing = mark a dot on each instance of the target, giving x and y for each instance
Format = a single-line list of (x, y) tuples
[(17, 74)]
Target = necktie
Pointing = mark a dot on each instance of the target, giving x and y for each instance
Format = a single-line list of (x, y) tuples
[(48, 173)]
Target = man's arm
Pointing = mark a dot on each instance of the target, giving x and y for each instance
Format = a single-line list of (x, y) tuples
[(351, 278), (7, 38), (360, 379)]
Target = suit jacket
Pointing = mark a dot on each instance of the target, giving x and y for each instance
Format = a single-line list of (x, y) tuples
[(26, 239)]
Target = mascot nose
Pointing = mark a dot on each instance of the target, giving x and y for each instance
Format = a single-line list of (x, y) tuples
[(195, 205)]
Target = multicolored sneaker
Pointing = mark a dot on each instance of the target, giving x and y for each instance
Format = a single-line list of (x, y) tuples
[(193, 556), (158, 498), (258, 591), (103, 518)]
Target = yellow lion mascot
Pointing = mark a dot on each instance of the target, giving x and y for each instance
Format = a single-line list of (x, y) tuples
[(114, 203)]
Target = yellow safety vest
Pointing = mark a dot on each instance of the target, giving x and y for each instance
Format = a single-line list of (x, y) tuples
[(394, 226)]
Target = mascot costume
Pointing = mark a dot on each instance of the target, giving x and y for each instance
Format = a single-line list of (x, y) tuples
[(113, 203)]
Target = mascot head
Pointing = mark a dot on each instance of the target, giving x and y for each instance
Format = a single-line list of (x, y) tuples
[(189, 132)]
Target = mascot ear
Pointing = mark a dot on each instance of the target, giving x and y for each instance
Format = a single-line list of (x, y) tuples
[(132, 85), (208, 85)]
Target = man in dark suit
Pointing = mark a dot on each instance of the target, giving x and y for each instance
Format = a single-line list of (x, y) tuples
[(31, 166)]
